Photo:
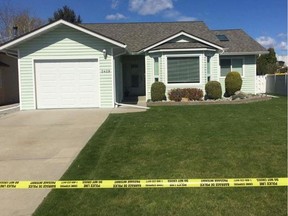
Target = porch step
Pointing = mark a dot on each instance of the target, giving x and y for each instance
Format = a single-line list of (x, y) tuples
[(142, 99), (136, 100)]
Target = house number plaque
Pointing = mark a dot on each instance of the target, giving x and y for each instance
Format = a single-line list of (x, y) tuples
[(106, 71)]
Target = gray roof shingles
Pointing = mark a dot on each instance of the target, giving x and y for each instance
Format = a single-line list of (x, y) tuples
[(239, 41), (138, 36)]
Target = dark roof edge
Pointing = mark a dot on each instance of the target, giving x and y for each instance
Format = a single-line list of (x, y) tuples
[(53, 25), (121, 23), (236, 29), (244, 53)]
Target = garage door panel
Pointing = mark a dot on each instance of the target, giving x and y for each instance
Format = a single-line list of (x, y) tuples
[(67, 83)]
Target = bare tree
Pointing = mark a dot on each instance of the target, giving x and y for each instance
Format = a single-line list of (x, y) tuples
[(11, 16)]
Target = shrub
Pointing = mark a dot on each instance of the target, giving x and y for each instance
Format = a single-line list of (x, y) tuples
[(213, 90), (175, 95), (190, 93), (158, 91), (233, 83)]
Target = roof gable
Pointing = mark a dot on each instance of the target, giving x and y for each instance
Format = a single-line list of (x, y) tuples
[(52, 26), (182, 33)]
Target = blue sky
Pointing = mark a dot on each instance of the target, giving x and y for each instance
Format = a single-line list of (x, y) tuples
[(264, 20)]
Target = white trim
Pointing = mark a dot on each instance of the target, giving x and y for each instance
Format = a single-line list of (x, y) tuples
[(146, 57), (19, 80), (180, 34), (244, 53), (47, 58), (55, 24), (34, 83), (255, 74), (181, 50), (235, 57), (113, 79), (200, 56)]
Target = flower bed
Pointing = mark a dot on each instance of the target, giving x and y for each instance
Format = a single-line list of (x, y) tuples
[(248, 99)]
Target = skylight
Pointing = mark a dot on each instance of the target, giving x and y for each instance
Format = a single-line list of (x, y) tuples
[(222, 37)]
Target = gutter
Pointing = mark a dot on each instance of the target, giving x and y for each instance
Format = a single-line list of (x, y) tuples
[(245, 53), (180, 50), (124, 52), (11, 54)]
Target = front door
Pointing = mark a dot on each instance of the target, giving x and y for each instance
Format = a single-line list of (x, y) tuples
[(134, 78)]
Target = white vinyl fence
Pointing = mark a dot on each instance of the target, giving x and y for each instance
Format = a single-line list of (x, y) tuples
[(276, 84), (272, 84), (260, 84)]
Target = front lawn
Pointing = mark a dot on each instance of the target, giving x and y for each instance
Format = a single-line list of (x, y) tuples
[(215, 141)]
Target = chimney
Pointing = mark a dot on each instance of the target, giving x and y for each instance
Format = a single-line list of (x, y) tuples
[(15, 31)]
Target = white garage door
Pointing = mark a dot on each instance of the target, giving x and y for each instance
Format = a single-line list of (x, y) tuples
[(67, 83)]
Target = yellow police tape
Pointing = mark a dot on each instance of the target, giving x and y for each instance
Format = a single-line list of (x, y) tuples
[(149, 183)]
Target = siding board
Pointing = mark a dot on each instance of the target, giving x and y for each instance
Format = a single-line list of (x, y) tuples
[(64, 42)]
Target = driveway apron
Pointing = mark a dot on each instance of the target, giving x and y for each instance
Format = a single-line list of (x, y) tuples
[(41, 145)]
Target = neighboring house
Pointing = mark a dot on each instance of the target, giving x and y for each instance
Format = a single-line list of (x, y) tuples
[(9, 91), (63, 65)]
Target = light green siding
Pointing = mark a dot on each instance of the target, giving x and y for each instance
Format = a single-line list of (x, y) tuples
[(249, 74), (149, 69), (249, 71), (214, 67), (64, 43), (163, 71)]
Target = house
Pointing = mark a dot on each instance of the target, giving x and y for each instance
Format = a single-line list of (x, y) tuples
[(63, 65), (9, 91)]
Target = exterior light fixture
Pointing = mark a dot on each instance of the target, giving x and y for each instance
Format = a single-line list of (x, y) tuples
[(104, 53)]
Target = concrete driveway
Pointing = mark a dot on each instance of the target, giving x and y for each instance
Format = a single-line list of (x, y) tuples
[(40, 145)]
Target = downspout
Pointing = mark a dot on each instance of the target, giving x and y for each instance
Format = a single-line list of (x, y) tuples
[(130, 105), (114, 74), (113, 77)]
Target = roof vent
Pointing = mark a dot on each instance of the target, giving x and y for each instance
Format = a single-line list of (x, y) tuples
[(222, 37)]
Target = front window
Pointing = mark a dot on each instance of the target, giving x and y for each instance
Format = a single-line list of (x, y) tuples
[(183, 69), (156, 69), (234, 64)]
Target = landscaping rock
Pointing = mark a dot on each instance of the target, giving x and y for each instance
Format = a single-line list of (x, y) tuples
[(240, 95)]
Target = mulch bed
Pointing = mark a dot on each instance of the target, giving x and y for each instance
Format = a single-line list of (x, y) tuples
[(210, 102)]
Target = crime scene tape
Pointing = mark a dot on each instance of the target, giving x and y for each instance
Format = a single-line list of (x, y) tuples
[(148, 183)]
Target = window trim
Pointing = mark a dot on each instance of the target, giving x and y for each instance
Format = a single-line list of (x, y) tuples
[(156, 76), (230, 58), (200, 56)]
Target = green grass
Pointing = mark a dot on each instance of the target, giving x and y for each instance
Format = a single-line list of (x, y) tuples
[(217, 141)]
